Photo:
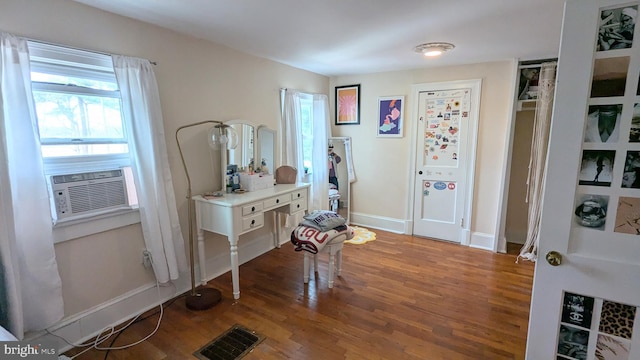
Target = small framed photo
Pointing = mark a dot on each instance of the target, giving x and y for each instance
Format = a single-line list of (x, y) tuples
[(390, 116), (348, 105)]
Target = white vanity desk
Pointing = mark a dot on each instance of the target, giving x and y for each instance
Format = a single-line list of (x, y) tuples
[(235, 214)]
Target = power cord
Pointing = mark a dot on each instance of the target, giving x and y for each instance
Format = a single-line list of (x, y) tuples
[(167, 304), (109, 331)]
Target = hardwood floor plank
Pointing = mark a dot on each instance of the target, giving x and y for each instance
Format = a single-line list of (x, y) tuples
[(399, 297)]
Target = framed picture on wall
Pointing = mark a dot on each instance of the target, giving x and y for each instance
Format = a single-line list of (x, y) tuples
[(348, 105), (390, 116)]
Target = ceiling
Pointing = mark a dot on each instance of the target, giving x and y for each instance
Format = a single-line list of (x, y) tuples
[(343, 37)]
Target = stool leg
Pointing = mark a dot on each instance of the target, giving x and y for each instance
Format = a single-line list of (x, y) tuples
[(331, 268), (315, 263), (306, 267), (339, 254)]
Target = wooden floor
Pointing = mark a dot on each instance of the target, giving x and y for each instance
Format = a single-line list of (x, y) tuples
[(399, 297)]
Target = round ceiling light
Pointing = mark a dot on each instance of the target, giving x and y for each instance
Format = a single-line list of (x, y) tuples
[(433, 48)]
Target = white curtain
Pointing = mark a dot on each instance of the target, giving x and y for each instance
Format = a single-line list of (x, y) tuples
[(292, 132), (537, 161), (293, 143), (30, 285), (158, 212), (321, 132)]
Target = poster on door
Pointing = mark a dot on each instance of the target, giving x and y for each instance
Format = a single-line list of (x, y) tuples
[(613, 327), (445, 113)]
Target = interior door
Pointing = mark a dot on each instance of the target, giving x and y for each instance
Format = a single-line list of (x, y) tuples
[(445, 153), (586, 289)]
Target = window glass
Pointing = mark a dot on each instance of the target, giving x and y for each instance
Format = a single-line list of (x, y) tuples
[(67, 79), (78, 108)]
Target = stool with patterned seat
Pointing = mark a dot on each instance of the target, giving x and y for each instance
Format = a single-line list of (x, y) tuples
[(314, 241)]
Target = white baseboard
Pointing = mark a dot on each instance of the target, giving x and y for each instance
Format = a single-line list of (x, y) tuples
[(398, 226), (482, 241)]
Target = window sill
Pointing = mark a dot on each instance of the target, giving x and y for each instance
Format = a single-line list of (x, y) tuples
[(73, 229)]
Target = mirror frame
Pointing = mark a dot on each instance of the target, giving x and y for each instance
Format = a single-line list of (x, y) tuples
[(257, 147), (346, 158)]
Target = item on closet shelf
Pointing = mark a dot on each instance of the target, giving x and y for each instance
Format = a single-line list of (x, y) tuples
[(286, 175)]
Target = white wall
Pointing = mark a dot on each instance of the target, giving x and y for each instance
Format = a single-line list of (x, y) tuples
[(383, 164), (197, 81)]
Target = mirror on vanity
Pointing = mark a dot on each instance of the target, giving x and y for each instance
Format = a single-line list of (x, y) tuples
[(266, 140), (339, 178), (243, 154), (254, 142)]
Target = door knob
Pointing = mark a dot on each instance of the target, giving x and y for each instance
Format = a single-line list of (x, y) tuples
[(420, 172), (554, 258)]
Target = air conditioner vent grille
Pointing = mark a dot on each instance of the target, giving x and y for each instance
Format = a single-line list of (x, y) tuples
[(90, 197), (88, 193)]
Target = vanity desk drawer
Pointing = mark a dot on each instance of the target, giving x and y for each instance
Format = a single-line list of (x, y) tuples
[(252, 208), (296, 195), (252, 222), (277, 201), (298, 205)]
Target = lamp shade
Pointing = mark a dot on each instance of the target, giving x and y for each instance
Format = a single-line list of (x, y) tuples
[(223, 137)]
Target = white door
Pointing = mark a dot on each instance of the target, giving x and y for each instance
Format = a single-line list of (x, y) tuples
[(585, 306), (445, 155)]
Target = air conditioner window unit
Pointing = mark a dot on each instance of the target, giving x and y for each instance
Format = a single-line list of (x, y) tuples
[(91, 193)]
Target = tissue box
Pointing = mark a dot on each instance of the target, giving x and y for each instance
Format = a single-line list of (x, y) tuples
[(252, 182)]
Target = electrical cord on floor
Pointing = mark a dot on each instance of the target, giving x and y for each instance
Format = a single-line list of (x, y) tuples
[(109, 331), (167, 304)]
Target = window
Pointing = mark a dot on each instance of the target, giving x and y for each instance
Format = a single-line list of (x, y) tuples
[(78, 110)]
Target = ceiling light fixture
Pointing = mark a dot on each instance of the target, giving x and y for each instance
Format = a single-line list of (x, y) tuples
[(433, 49)]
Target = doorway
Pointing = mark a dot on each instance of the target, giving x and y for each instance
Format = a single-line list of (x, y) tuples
[(525, 134), (446, 131)]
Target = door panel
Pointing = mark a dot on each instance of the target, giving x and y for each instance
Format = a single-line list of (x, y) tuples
[(447, 118), (590, 207)]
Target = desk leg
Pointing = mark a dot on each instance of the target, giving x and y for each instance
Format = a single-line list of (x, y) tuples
[(235, 269), (276, 229), (201, 257)]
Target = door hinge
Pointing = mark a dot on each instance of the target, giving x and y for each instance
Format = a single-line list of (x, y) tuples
[(461, 222)]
